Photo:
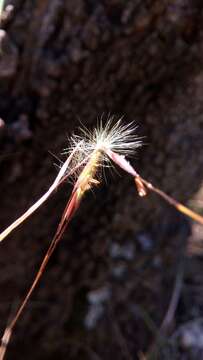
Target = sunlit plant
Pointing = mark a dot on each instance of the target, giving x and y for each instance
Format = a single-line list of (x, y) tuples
[(86, 155)]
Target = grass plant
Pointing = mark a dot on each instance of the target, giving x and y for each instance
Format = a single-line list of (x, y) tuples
[(87, 154)]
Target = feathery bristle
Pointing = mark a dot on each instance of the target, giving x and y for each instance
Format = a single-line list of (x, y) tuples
[(118, 137)]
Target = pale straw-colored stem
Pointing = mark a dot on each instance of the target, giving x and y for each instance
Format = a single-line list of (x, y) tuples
[(84, 182), (44, 197), (1, 8)]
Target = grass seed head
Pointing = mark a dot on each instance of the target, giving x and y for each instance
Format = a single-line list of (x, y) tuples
[(111, 136), (118, 137)]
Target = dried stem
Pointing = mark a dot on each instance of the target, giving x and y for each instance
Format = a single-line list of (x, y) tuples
[(1, 8), (143, 184), (100, 143), (67, 215), (84, 182), (180, 207), (60, 178)]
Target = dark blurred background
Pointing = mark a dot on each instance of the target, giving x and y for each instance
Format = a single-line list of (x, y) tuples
[(126, 281)]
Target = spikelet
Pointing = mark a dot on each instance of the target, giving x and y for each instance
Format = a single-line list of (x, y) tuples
[(117, 137), (111, 136), (87, 153)]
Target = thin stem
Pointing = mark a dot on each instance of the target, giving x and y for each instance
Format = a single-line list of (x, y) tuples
[(1, 7), (66, 217), (83, 183), (142, 184), (60, 178), (180, 207)]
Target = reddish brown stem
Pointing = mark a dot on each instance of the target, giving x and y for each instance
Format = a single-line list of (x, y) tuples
[(142, 184), (69, 211), (180, 207)]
